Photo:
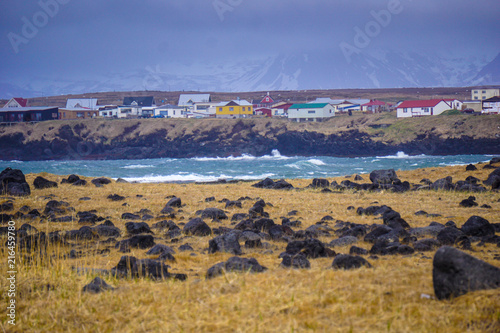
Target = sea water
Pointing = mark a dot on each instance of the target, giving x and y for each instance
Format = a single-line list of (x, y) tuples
[(244, 167)]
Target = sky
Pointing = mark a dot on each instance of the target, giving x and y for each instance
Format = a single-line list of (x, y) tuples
[(62, 42)]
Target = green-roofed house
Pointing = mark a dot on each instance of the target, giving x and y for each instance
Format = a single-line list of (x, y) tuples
[(310, 112)]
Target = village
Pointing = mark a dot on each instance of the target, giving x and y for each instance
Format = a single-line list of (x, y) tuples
[(482, 101)]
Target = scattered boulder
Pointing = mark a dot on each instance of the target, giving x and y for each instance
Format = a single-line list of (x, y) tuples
[(225, 243), (57, 207), (98, 182), (84, 233), (80, 182), (470, 167), (107, 230), (96, 286), (88, 217), (478, 226), (235, 264), (357, 250), (492, 177), (449, 235), (7, 206), (134, 228), (384, 177), (311, 248), (456, 273), (139, 268), (426, 244), (443, 184), (344, 241), (469, 202), (212, 213), (174, 202), (295, 261), (13, 182), (347, 261), (268, 183), (41, 183), (136, 242), (115, 197), (197, 227), (320, 183), (159, 249), (130, 216), (70, 180)]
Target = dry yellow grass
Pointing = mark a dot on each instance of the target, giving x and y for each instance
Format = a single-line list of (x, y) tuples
[(385, 298)]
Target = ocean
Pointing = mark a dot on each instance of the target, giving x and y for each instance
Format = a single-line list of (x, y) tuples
[(245, 167)]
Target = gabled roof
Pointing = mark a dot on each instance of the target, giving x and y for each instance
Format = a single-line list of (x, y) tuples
[(235, 103), (169, 106), (21, 101), (429, 103), (374, 102), (189, 99), (141, 101), (81, 103), (309, 106)]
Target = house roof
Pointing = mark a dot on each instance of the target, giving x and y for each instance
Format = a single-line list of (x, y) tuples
[(81, 103), (141, 101), (169, 106), (309, 106), (374, 102), (235, 103), (492, 99), (429, 103), (21, 101), (188, 99), (25, 109)]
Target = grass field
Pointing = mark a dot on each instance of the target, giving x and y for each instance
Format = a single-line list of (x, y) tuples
[(396, 295)]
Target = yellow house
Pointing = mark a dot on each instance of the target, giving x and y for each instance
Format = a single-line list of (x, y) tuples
[(234, 109)]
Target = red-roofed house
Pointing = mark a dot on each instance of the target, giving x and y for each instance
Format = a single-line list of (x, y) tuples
[(16, 102), (419, 108), (374, 106)]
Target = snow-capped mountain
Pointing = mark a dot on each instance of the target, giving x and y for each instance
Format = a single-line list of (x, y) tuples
[(313, 70)]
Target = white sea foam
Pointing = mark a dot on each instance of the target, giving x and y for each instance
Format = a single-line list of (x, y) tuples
[(275, 155), (138, 166), (401, 155), (316, 161), (193, 177)]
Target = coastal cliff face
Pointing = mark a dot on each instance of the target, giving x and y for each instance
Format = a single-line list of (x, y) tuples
[(367, 135)]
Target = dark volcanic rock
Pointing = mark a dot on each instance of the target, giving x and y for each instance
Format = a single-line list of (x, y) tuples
[(443, 184), (320, 183), (469, 202), (13, 182), (344, 241), (134, 228), (174, 202), (492, 177), (427, 244), (6, 206), (115, 197), (70, 180), (132, 267), (295, 261), (159, 249), (212, 213), (478, 226), (84, 233), (357, 250), (347, 261), (449, 235), (100, 181), (57, 207), (197, 227), (136, 242), (225, 243), (470, 167), (130, 216), (271, 184), (311, 248), (107, 230), (96, 286), (80, 182), (88, 217), (456, 273), (235, 264), (41, 183), (384, 177)]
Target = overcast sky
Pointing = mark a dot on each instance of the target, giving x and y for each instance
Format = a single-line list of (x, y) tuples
[(58, 39)]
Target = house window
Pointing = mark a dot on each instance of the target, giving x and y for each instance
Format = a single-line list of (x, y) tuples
[(64, 114), (484, 91), (405, 110), (174, 112), (231, 109), (476, 97), (38, 116), (243, 109), (79, 114), (220, 109), (311, 111)]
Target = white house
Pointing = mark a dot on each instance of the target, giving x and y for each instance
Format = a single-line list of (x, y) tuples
[(491, 105), (479, 94), (187, 101), (16, 102), (310, 112), (170, 111), (419, 108)]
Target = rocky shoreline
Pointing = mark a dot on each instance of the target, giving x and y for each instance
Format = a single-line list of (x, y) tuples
[(139, 141)]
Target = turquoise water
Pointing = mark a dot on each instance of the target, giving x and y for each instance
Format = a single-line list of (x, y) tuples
[(244, 167)]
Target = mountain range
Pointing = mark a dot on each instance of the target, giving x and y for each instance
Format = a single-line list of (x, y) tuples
[(292, 71)]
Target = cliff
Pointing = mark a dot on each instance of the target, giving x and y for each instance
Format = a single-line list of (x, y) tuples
[(363, 135)]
